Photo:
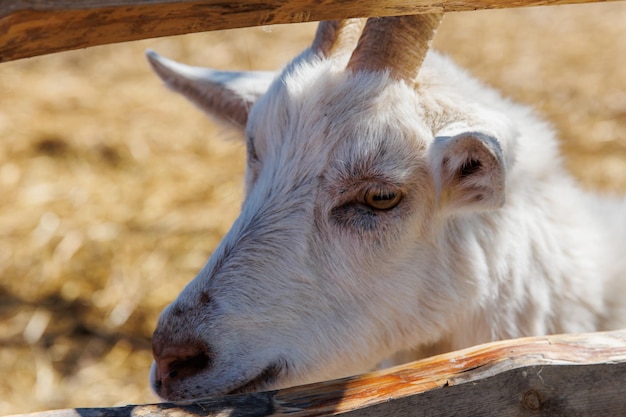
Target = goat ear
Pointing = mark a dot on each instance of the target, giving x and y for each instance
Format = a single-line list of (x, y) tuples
[(226, 95), (469, 172)]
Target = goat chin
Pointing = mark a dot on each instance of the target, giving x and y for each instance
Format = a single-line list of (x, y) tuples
[(387, 216)]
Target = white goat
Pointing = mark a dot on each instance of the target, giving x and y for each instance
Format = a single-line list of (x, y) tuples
[(384, 212)]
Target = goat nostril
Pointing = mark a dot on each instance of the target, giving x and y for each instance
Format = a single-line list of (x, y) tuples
[(199, 361), (180, 362)]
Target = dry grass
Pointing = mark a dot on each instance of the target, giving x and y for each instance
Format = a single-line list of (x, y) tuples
[(114, 191)]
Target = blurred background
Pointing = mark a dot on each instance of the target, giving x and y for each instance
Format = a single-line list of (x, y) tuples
[(114, 191)]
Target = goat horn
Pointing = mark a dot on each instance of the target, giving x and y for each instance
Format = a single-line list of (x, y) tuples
[(336, 37), (398, 44)]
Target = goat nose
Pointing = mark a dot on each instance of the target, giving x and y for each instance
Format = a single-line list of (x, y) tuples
[(179, 361)]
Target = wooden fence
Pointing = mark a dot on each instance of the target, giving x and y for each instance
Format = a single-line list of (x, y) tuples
[(582, 376), (568, 375), (36, 27)]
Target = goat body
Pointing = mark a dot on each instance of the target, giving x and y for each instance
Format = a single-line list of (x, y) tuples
[(387, 214)]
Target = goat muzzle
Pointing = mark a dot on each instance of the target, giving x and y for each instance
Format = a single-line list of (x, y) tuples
[(178, 361)]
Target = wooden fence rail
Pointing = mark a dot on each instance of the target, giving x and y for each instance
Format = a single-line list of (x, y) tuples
[(35, 27), (566, 375)]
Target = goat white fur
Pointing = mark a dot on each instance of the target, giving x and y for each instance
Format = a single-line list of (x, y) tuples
[(383, 214)]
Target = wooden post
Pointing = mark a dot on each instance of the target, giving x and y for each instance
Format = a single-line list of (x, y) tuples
[(566, 375), (33, 27)]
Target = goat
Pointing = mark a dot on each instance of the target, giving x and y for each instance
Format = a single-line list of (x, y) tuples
[(395, 207)]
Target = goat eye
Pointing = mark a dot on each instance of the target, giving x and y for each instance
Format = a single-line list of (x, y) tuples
[(382, 199)]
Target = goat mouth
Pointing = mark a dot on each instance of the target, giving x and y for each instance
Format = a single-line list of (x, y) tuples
[(264, 379)]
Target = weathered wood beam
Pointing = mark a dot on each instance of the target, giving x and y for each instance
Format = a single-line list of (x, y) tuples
[(567, 375), (35, 27)]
